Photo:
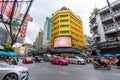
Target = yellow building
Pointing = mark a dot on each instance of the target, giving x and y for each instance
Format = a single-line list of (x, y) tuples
[(66, 24)]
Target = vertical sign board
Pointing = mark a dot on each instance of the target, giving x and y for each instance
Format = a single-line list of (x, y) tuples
[(49, 22)]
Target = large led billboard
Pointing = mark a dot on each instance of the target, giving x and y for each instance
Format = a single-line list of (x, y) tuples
[(62, 42)]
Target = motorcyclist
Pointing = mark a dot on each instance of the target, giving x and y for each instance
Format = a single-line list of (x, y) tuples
[(102, 63)]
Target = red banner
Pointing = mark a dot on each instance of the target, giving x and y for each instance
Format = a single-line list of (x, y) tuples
[(7, 7)]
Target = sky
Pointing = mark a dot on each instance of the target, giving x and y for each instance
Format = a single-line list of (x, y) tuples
[(42, 8)]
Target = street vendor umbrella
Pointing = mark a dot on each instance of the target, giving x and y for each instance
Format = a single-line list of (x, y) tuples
[(107, 55), (117, 54), (10, 54), (2, 52)]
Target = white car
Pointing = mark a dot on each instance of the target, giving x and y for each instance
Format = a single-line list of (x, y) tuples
[(76, 60), (12, 72)]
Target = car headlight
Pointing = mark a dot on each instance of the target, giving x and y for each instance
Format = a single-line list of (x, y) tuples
[(23, 71)]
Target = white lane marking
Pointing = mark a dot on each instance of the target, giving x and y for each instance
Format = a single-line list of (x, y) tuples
[(116, 74), (63, 73)]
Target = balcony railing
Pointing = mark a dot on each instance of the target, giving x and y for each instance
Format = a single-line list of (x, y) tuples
[(93, 26), (111, 27), (92, 17), (96, 35), (108, 16), (112, 38)]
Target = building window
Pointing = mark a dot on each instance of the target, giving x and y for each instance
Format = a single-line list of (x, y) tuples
[(64, 26), (64, 32), (65, 15), (64, 20)]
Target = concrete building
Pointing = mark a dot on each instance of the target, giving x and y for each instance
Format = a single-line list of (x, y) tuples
[(106, 33), (3, 35), (46, 33), (66, 32), (39, 40), (88, 41)]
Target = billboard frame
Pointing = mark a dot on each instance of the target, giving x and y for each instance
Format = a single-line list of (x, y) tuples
[(62, 36)]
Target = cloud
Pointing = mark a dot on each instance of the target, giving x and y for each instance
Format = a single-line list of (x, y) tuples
[(42, 8), (32, 30), (28, 40)]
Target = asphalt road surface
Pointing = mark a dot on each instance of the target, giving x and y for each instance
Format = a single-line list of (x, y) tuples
[(47, 71)]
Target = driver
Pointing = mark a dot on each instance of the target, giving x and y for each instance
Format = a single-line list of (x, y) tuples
[(99, 61), (102, 63)]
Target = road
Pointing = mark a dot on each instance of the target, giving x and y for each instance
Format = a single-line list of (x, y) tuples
[(47, 71)]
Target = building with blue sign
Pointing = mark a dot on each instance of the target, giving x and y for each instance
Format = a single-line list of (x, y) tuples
[(46, 33)]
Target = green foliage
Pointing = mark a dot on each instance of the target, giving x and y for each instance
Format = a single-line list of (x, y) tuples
[(8, 48), (95, 11)]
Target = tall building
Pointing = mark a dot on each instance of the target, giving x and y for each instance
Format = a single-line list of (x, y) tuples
[(88, 41), (106, 32), (46, 33), (39, 41), (3, 35), (66, 32)]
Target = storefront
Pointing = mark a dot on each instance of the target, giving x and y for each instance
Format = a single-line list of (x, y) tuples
[(66, 51), (112, 47)]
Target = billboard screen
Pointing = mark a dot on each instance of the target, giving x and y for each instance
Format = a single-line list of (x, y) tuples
[(62, 42)]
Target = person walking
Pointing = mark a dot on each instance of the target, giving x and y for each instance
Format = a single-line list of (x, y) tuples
[(14, 62)]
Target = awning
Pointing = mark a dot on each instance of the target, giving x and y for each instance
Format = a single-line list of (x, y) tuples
[(117, 54), (10, 53), (2, 52), (67, 50), (107, 55)]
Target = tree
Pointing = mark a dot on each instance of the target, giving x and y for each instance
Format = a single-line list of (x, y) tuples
[(8, 48), (95, 11)]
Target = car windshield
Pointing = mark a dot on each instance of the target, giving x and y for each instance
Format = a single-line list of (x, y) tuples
[(79, 57), (3, 64)]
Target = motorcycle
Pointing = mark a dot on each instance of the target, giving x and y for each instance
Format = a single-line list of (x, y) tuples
[(97, 65), (118, 64), (37, 59)]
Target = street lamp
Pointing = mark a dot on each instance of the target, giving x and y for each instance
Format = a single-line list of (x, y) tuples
[(10, 11)]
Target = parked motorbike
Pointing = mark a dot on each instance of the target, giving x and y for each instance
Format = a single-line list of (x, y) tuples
[(118, 64), (37, 59), (97, 65)]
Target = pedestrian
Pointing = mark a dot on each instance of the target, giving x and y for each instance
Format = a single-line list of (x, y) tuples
[(10, 60), (7, 60), (89, 60), (14, 62), (17, 59)]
